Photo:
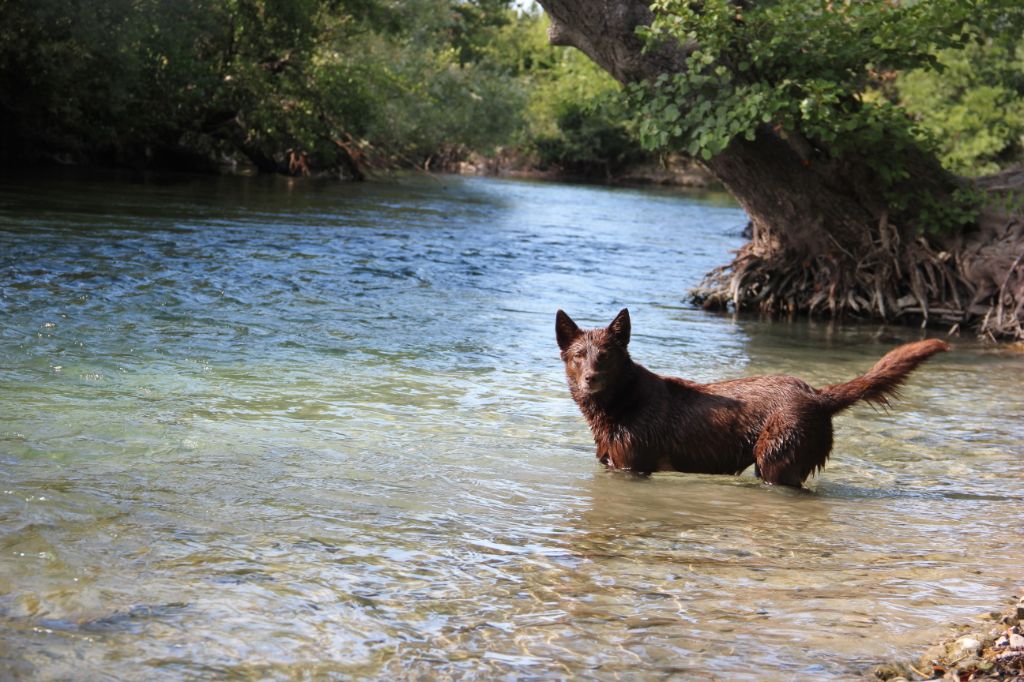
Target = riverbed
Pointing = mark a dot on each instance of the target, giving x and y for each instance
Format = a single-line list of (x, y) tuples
[(274, 429)]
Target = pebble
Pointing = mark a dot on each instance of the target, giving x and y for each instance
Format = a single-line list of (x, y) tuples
[(968, 644), (1016, 641)]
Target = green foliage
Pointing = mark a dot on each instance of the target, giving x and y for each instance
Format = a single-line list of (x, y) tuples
[(804, 71), (71, 74), (476, 26), (591, 138), (973, 107), (122, 79), (575, 118), (125, 81)]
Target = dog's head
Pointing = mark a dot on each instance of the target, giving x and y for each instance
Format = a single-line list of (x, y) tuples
[(595, 359)]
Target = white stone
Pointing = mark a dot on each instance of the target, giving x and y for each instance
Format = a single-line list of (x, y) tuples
[(968, 644)]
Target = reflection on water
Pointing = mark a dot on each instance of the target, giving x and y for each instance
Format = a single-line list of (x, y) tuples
[(266, 429)]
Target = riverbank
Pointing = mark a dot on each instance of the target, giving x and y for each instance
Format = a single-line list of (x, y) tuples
[(991, 648), (672, 170)]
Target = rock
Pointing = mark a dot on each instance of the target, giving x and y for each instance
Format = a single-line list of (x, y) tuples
[(1010, 656), (892, 672), (968, 644), (989, 651)]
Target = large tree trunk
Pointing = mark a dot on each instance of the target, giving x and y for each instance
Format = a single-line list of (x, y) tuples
[(824, 238)]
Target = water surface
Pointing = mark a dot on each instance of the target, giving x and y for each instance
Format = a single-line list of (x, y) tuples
[(272, 429)]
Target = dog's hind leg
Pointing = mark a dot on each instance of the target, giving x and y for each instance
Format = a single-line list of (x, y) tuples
[(791, 448)]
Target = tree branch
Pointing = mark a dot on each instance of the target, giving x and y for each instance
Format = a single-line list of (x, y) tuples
[(605, 30)]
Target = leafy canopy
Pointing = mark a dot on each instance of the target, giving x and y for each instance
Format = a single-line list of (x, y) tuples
[(805, 68), (974, 106), (116, 79)]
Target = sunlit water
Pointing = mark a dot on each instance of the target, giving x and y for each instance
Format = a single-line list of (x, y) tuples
[(253, 428)]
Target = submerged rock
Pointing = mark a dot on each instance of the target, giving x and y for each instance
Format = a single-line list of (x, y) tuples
[(894, 672)]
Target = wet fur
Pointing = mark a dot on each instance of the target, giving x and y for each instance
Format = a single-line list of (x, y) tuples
[(645, 422)]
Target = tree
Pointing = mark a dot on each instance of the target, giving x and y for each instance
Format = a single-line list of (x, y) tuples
[(291, 86), (851, 210), (974, 106)]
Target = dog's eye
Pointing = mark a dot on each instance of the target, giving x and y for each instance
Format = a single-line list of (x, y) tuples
[(581, 353)]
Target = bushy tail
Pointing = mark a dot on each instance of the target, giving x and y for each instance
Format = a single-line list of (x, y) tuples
[(882, 381)]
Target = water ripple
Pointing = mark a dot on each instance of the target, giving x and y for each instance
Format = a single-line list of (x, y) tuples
[(266, 429)]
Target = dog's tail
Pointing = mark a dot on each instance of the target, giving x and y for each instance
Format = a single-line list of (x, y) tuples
[(882, 381)]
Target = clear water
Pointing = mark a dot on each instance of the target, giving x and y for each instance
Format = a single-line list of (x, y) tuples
[(254, 428)]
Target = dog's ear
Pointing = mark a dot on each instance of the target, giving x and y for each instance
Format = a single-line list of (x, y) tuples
[(565, 329), (619, 328)]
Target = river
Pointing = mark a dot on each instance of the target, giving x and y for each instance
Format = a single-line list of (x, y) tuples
[(272, 429)]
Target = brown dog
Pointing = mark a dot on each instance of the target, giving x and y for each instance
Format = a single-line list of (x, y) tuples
[(645, 422)]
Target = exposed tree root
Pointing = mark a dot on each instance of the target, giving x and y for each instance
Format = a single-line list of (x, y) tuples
[(972, 281)]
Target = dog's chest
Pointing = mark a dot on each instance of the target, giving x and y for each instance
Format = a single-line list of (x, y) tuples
[(616, 445)]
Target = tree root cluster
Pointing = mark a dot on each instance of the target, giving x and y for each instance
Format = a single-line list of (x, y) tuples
[(973, 281)]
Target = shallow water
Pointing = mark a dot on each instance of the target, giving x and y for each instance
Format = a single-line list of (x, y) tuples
[(272, 429)]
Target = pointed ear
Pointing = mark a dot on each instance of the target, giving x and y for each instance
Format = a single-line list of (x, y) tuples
[(620, 327), (565, 329)]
